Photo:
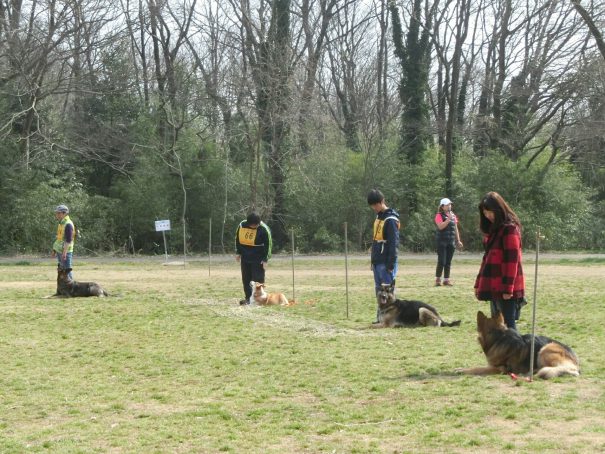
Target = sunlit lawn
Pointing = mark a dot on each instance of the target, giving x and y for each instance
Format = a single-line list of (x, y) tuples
[(172, 363)]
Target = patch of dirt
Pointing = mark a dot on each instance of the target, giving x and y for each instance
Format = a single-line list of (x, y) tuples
[(275, 319), (571, 432)]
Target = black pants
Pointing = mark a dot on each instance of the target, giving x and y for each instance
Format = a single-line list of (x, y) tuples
[(251, 272), (445, 253)]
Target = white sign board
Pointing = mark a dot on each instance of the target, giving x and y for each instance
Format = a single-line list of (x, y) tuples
[(161, 226)]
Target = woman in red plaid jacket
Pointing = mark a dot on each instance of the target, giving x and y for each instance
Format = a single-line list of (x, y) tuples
[(500, 279)]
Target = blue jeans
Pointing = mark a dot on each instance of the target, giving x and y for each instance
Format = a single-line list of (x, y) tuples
[(511, 310), (65, 264), (382, 276)]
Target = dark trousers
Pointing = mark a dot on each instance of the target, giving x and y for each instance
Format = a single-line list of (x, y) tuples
[(251, 272), (445, 253)]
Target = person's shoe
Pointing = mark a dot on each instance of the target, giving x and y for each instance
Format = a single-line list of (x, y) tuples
[(375, 322), (448, 284), (438, 284), (243, 302)]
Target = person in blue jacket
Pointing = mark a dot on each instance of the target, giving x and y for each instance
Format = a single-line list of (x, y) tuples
[(253, 244), (385, 240)]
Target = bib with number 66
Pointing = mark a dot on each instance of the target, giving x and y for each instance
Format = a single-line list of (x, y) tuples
[(247, 236)]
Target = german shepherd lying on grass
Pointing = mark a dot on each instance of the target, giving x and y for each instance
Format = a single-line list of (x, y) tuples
[(68, 288), (393, 312), (508, 352)]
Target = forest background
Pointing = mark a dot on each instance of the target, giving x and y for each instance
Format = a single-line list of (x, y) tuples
[(201, 111)]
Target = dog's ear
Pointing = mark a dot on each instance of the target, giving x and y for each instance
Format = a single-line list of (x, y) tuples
[(481, 318), (68, 270), (500, 319), (393, 285)]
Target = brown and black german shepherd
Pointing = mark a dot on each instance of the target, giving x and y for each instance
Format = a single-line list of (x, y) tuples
[(68, 288), (508, 352), (393, 312)]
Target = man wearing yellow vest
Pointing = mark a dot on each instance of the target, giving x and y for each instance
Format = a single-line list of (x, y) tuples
[(63, 247), (253, 244), (385, 240)]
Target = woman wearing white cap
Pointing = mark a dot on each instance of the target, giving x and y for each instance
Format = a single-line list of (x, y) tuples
[(447, 238)]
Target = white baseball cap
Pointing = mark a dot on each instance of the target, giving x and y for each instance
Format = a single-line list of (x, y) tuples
[(445, 201)]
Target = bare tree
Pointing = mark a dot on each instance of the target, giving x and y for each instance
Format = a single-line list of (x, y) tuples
[(315, 31), (268, 52), (136, 23), (528, 80), (344, 57), (448, 77), (594, 30), (49, 52)]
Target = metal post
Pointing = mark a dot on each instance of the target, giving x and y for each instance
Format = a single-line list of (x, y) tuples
[(533, 317), (347, 268), (165, 249), (293, 289), (209, 245)]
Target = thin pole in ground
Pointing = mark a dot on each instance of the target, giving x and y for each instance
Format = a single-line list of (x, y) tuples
[(165, 249), (347, 268), (293, 288), (533, 317), (209, 244)]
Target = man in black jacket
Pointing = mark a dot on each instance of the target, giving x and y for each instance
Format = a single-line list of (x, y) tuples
[(253, 244), (385, 241)]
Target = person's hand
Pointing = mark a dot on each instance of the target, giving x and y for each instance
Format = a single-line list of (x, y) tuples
[(507, 296), (264, 264), (53, 253), (237, 258), (459, 244), (64, 256)]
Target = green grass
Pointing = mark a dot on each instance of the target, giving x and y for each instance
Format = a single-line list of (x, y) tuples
[(173, 364)]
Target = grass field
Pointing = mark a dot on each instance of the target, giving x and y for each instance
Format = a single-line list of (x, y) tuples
[(173, 364)]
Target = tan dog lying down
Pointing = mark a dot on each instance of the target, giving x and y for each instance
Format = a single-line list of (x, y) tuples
[(261, 298)]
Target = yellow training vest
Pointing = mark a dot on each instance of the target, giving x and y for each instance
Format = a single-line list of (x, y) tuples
[(58, 244), (379, 228)]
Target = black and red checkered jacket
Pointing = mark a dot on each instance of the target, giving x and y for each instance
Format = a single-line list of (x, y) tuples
[(501, 270)]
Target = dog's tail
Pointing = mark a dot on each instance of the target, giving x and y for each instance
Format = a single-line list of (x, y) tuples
[(454, 323), (558, 371), (557, 360)]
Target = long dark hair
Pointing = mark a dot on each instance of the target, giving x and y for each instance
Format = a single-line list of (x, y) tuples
[(492, 201)]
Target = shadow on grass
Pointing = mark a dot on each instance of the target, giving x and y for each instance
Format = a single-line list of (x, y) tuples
[(430, 375)]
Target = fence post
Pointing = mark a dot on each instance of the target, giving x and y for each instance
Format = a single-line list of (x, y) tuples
[(293, 289), (533, 316), (347, 268), (209, 245)]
